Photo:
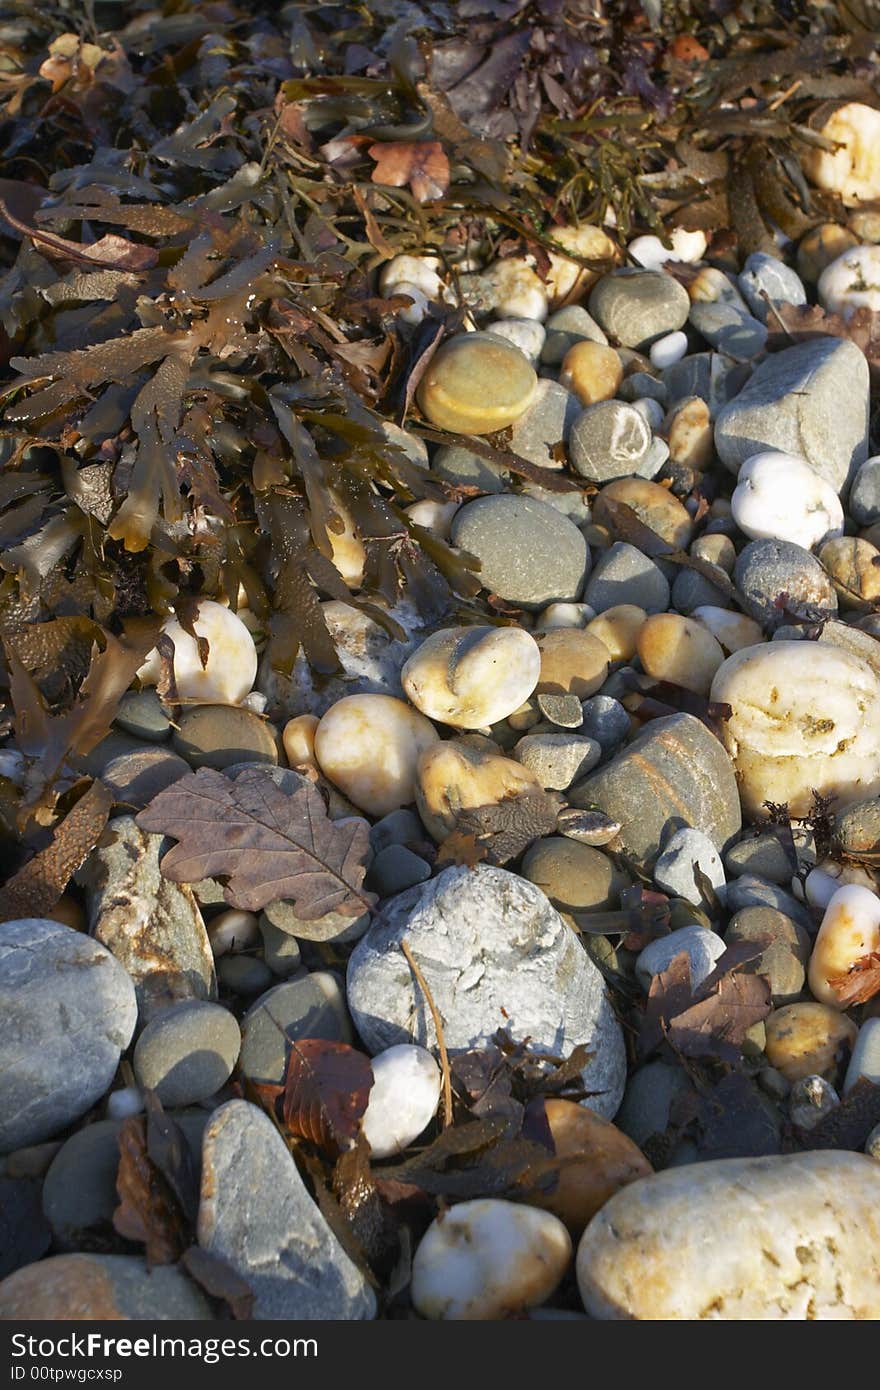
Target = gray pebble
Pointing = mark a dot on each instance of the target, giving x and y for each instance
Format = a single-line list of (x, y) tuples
[(310, 1007), (635, 307), (540, 434), (810, 1100), (280, 950), (557, 760), (686, 853), (565, 711), (24, 1231), (135, 778), (648, 1100), (768, 569), (703, 948), (768, 856), (713, 376), (460, 466), (864, 497), (141, 714), (654, 460), (395, 869), (691, 590), (729, 330), (608, 440), (625, 575), (605, 720), (766, 281), (333, 926), (530, 554), (643, 386), (784, 958), (750, 891), (187, 1052), (245, 975), (526, 334), (397, 828), (567, 326)]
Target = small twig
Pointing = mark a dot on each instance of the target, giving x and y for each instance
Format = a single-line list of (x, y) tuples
[(438, 1028)]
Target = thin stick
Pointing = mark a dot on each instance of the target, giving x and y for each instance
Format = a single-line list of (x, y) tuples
[(438, 1028)]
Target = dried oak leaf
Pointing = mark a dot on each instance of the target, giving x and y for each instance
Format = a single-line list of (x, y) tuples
[(713, 1019), (148, 1211), (462, 849), (36, 888), (860, 983), (326, 1089), (423, 164), (508, 827), (269, 844)]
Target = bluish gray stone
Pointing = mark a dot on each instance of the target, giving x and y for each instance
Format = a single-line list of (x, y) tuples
[(401, 827), (635, 307), (395, 869), (567, 326), (643, 386), (776, 579), (142, 715), (24, 1231), (187, 1052), (310, 1007), (625, 575), (686, 853), (648, 1100), (864, 497), (767, 281), (244, 975), (691, 589), (605, 720), (703, 948), (540, 434), (865, 1059), (712, 376), (608, 440), (455, 465), (750, 891), (729, 330), (530, 554), (786, 950), (256, 1214), (767, 856), (281, 951)]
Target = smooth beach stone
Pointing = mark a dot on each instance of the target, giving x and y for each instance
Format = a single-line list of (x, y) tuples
[(850, 929), (711, 285), (636, 306), (685, 853), (67, 1012), (421, 271), (691, 591), (618, 630), (810, 400), (488, 1259), (767, 282), (331, 927), (557, 760), (865, 1060), (281, 951), (703, 949), (565, 711), (810, 1100), (654, 505), (607, 1160), (187, 1052), (852, 640), (804, 718), (608, 440), (244, 975), (101, 1288), (396, 868), (25, 1234), (851, 166), (606, 721), (680, 650), (712, 376), (639, 387), (854, 567), (727, 329), (231, 664), (647, 1102), (510, 288), (575, 877), (864, 495), (675, 773), (767, 570), (794, 1238), (470, 677), (820, 246), (415, 449), (573, 662), (476, 384), (732, 631), (780, 496), (397, 828), (142, 714), (435, 517), (808, 1040), (529, 553), (526, 334), (368, 746), (668, 349), (135, 778), (751, 891), (298, 740), (625, 577), (786, 950), (464, 468), (826, 878), (566, 327), (769, 856), (494, 953), (592, 371), (220, 735), (403, 1099), (566, 279), (540, 433), (857, 829), (691, 436), (716, 550), (462, 773), (419, 306), (654, 416), (310, 1007), (256, 1214)]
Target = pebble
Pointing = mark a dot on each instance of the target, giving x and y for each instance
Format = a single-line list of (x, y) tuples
[(462, 773), (24, 1232), (685, 852), (702, 947), (142, 714), (808, 1040), (470, 677), (872, 1143), (640, 386), (857, 828), (529, 553), (298, 741), (691, 591), (256, 1214), (675, 771), (671, 348), (785, 950), (767, 282), (488, 1259), (135, 778), (691, 437), (368, 746), (651, 252), (732, 631), (397, 828), (810, 1100), (820, 246), (618, 630), (804, 718), (415, 449), (281, 951), (636, 307), (854, 568), (864, 497), (187, 1052), (396, 868), (231, 664), (716, 550), (244, 975), (557, 760), (608, 440), (526, 334), (310, 1007), (575, 876), (435, 517), (607, 1160), (587, 827), (220, 735), (712, 376), (67, 1012), (467, 469), (124, 1102), (680, 650), (573, 662), (593, 372), (780, 496), (509, 288), (852, 167), (653, 505), (606, 721), (776, 579), (810, 400), (100, 1288), (849, 930), (793, 1238), (750, 891), (494, 953), (566, 280), (420, 302), (566, 327), (421, 271), (654, 415), (865, 1060), (727, 329), (332, 927), (540, 433), (647, 1104), (625, 577), (476, 384), (769, 857), (565, 711), (403, 1099)]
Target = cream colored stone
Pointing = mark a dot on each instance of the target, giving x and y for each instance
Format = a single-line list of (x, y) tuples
[(650, 252), (733, 631), (789, 1237), (233, 931), (470, 677), (853, 168), (557, 615), (435, 517), (476, 384), (403, 1098), (717, 548), (805, 716), (488, 1259), (368, 746), (618, 630), (573, 662), (822, 882), (821, 246), (677, 649), (691, 435), (298, 739), (463, 773), (780, 496), (567, 282), (231, 666), (511, 288), (415, 312), (349, 555), (854, 568), (851, 282), (807, 1040), (850, 929), (712, 286), (421, 271), (655, 506), (592, 372)]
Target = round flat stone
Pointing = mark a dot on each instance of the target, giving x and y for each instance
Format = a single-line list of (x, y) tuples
[(636, 306), (476, 384), (608, 440), (186, 1053), (530, 554), (310, 1007), (221, 735), (778, 578), (135, 778), (142, 715)]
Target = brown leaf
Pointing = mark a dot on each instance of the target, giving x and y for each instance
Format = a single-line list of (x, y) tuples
[(713, 1019), (422, 164), (461, 848), (269, 845), (148, 1211), (112, 251), (860, 983), (326, 1089), (36, 888)]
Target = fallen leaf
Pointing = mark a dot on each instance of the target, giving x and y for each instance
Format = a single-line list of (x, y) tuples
[(326, 1089), (848, 1125), (422, 164), (713, 1019), (111, 251), (148, 1212), (270, 845), (860, 983), (461, 848), (36, 888)]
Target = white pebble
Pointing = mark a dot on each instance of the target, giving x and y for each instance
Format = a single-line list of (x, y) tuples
[(233, 931), (850, 929), (779, 495), (231, 667), (650, 252), (852, 168), (851, 282), (471, 677), (433, 516), (557, 615), (651, 411), (672, 347), (403, 1099), (823, 881), (415, 312), (257, 702), (420, 271), (124, 1103), (526, 334)]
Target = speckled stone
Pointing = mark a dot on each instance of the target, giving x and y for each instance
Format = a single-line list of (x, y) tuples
[(530, 554), (784, 957), (729, 330), (99, 1288), (634, 307), (765, 281), (463, 467), (605, 720), (566, 327), (540, 434), (767, 569), (187, 1052), (624, 575), (608, 440)]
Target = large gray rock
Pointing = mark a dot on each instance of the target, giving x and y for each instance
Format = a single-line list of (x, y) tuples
[(495, 954), (255, 1213), (810, 400), (529, 553), (67, 1012), (153, 927)]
